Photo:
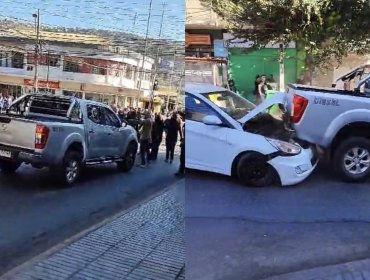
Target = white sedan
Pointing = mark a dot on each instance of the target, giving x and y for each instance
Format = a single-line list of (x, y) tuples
[(227, 134)]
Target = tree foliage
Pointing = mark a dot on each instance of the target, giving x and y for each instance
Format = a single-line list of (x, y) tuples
[(327, 29)]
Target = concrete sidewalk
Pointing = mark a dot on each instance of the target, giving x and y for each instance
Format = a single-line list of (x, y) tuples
[(357, 270), (144, 243)]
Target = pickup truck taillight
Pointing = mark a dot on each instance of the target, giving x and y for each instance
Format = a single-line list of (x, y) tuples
[(299, 106), (41, 136)]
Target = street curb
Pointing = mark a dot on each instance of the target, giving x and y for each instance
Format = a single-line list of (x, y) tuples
[(323, 272), (9, 275)]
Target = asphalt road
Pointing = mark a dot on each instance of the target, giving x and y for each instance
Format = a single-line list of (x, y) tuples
[(235, 232), (36, 213)]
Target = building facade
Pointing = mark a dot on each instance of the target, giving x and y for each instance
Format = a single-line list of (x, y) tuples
[(205, 50), (104, 77)]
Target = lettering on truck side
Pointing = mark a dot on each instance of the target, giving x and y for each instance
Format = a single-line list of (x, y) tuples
[(57, 129), (326, 101)]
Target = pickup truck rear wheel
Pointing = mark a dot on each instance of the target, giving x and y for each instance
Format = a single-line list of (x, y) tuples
[(71, 167), (352, 159), (254, 171), (128, 161), (9, 167)]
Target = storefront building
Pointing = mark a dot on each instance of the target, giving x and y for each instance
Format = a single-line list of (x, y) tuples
[(112, 80)]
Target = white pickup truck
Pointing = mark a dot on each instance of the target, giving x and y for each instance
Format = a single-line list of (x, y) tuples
[(338, 121)]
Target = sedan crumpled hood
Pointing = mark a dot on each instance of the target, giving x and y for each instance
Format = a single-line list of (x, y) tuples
[(279, 98)]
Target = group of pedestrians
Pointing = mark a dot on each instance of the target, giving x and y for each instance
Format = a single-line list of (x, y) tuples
[(151, 131), (5, 101)]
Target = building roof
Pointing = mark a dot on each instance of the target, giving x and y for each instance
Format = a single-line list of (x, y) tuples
[(62, 37)]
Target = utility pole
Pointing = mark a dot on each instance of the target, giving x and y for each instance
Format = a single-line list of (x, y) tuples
[(156, 58), (37, 46), (47, 75), (179, 88), (141, 73), (134, 23), (171, 76)]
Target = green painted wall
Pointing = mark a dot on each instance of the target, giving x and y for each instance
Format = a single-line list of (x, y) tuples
[(245, 65)]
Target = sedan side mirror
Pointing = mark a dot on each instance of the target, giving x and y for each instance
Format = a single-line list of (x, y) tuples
[(212, 120)]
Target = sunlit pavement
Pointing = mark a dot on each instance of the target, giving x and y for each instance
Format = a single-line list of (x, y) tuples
[(36, 213), (235, 232)]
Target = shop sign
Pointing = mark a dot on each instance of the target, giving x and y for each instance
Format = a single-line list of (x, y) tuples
[(232, 42), (219, 49), (200, 73), (42, 84), (197, 40)]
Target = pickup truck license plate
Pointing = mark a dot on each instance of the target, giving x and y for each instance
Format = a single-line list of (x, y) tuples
[(5, 154)]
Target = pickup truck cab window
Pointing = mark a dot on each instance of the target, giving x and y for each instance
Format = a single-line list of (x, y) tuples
[(95, 114), (76, 113), (111, 118)]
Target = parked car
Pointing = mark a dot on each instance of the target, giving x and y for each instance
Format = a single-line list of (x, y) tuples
[(338, 121), (227, 134), (65, 134)]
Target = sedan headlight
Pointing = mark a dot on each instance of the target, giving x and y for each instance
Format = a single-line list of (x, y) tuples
[(285, 147)]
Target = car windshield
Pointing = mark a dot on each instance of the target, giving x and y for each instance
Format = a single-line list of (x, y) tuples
[(231, 103)]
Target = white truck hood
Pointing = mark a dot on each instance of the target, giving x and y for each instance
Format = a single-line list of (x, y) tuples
[(279, 98)]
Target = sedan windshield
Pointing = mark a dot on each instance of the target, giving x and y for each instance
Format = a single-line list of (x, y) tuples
[(234, 105)]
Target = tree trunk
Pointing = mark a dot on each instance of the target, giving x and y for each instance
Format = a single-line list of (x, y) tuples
[(311, 67)]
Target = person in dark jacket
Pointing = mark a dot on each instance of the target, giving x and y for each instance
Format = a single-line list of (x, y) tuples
[(157, 136), (181, 171), (173, 129)]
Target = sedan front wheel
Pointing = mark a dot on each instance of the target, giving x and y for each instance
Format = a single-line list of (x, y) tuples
[(254, 171)]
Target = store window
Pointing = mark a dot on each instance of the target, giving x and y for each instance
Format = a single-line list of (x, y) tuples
[(98, 70), (10, 90), (72, 93), (45, 90), (17, 60), (130, 72), (70, 66), (53, 61)]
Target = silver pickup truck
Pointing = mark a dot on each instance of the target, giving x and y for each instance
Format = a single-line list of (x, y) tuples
[(65, 134), (338, 121)]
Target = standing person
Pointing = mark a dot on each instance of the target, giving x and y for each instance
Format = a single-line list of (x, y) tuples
[(1, 102), (114, 108), (145, 139), (173, 129), (256, 82), (261, 90), (181, 171), (157, 136), (121, 114), (271, 79)]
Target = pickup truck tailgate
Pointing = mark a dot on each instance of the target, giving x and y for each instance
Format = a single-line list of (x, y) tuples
[(17, 132)]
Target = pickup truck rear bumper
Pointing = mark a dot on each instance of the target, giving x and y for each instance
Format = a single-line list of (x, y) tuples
[(23, 155)]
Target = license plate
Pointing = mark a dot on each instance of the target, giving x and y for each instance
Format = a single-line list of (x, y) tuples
[(5, 154)]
